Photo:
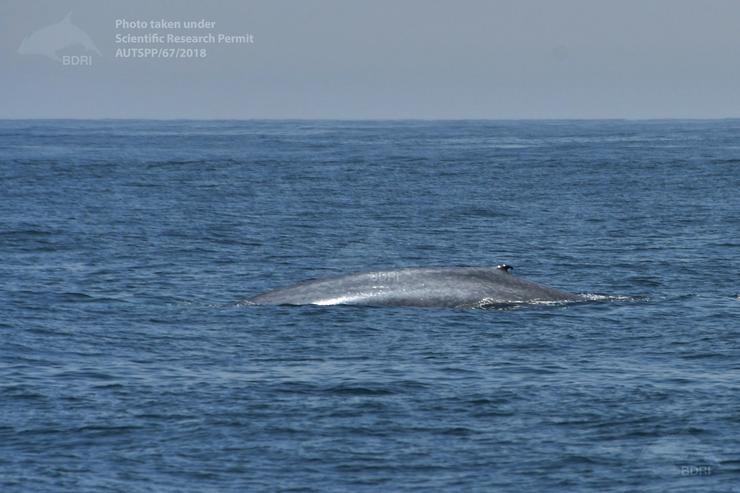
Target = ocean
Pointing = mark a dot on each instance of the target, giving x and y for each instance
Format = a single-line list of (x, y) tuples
[(128, 366)]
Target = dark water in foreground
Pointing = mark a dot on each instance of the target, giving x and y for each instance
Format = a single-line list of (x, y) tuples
[(125, 365)]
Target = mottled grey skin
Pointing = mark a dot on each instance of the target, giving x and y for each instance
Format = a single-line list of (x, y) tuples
[(456, 287)]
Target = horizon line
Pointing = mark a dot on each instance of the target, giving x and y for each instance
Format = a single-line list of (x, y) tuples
[(361, 119)]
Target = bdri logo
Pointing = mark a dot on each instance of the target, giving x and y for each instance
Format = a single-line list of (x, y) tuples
[(696, 470), (684, 455), (50, 40)]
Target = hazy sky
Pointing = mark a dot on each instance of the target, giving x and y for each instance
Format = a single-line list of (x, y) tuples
[(380, 59)]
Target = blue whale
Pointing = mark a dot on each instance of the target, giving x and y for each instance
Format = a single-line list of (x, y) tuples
[(454, 287)]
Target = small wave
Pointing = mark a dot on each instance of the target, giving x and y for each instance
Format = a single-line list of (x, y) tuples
[(24, 233), (361, 390), (191, 162), (74, 297), (489, 304), (611, 297)]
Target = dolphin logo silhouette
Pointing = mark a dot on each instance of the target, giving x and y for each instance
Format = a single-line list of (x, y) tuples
[(48, 40)]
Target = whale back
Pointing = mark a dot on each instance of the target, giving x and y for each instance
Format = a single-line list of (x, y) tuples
[(423, 287)]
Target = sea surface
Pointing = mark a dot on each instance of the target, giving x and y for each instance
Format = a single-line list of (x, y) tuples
[(126, 364)]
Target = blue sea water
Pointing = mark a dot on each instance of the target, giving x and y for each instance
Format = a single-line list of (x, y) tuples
[(126, 364)]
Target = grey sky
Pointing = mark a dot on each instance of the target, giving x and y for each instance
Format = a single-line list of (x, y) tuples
[(389, 59)]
